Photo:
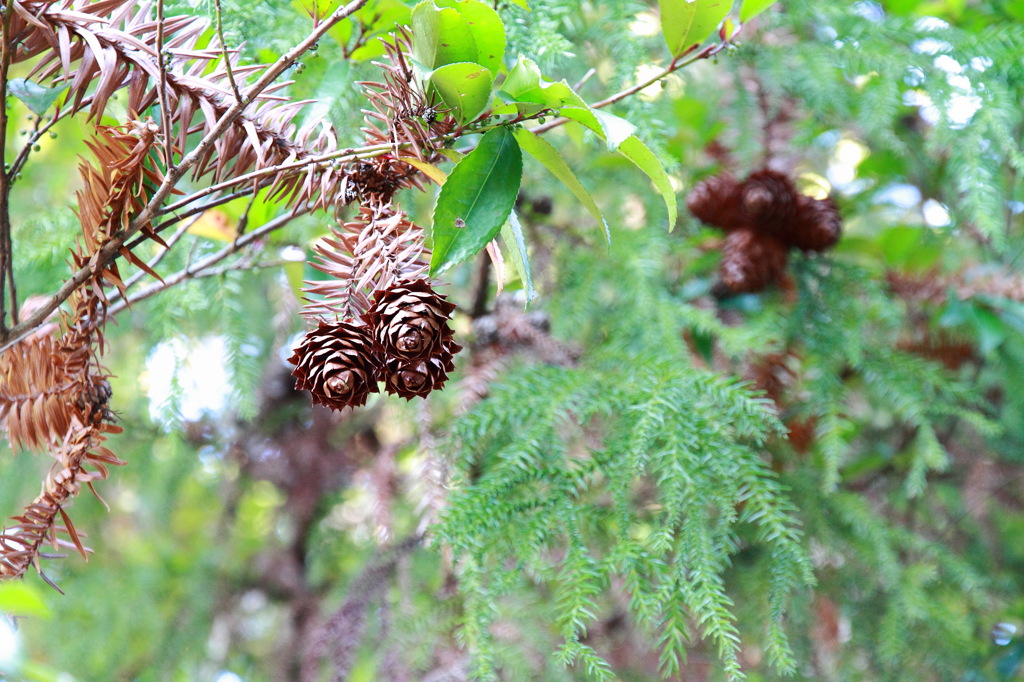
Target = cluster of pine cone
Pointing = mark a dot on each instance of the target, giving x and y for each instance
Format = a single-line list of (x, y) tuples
[(405, 342), (763, 217)]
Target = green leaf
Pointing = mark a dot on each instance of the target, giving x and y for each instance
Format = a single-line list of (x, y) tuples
[(487, 29), (541, 149), (37, 98), (611, 128), (512, 233), (525, 85), (465, 88), (688, 23), (637, 152), (751, 8), (523, 4), (476, 199), (440, 36), (22, 599)]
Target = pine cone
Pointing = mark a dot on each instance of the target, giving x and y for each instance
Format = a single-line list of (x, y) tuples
[(768, 200), (716, 201), (419, 377), (336, 364), (751, 261), (817, 224), (410, 321)]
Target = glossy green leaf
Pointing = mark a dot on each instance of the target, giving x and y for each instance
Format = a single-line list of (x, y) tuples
[(512, 234), (613, 129), (686, 23), (523, 4), (637, 152), (37, 98), (487, 29), (476, 199), (751, 8), (465, 89), (525, 85), (440, 36), (541, 149)]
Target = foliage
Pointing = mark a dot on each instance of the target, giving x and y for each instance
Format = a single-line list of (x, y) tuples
[(639, 475)]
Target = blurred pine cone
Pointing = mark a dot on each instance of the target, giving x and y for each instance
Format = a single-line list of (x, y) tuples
[(816, 226), (336, 364), (409, 379), (410, 321), (751, 261), (768, 200), (716, 201)]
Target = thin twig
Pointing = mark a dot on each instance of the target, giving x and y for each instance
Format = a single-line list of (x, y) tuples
[(224, 51), (109, 252), (587, 76), (165, 109), (675, 65), (193, 270)]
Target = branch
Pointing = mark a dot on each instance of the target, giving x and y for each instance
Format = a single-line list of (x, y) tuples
[(165, 109), (109, 252), (6, 44)]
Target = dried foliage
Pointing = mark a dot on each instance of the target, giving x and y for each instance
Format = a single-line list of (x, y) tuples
[(376, 249), (117, 189), (97, 48), (54, 392), (55, 395)]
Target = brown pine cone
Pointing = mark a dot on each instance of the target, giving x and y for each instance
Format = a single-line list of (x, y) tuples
[(716, 201), (409, 379), (751, 261), (768, 201), (409, 321), (817, 224), (336, 364)]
